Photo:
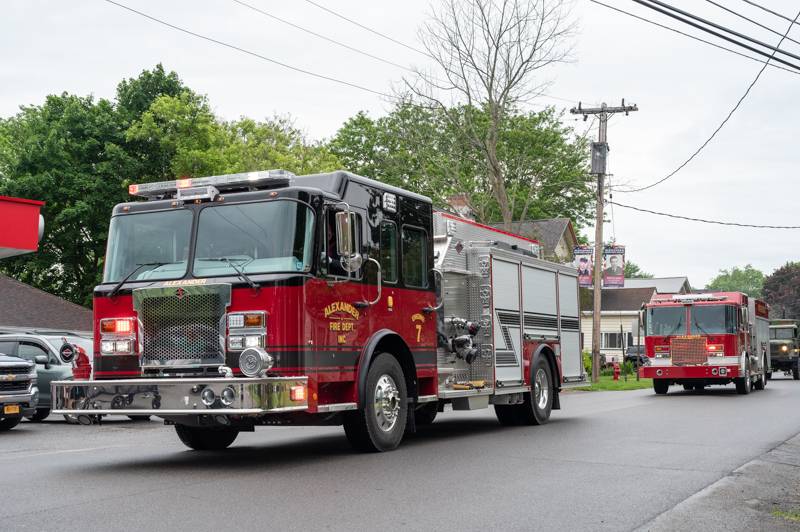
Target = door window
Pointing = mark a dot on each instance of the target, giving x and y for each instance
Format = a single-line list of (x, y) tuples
[(415, 257), (29, 351)]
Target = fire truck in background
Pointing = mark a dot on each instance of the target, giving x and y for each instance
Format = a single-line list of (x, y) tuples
[(265, 298), (699, 340)]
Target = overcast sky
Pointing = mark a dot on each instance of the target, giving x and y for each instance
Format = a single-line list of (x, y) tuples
[(683, 89)]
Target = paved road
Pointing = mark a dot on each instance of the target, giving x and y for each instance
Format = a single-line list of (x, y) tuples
[(607, 461)]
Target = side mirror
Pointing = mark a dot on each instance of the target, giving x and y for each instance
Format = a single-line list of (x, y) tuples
[(344, 234), (42, 360), (346, 241)]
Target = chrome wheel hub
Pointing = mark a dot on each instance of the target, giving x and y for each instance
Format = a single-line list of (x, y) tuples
[(541, 389), (387, 403)]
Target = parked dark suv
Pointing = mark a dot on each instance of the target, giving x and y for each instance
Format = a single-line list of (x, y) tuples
[(43, 350), (635, 355)]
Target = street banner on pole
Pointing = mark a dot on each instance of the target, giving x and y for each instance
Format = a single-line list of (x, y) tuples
[(584, 265), (614, 267)]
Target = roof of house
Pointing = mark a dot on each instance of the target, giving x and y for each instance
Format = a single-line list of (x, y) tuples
[(548, 231), (663, 285), (23, 306), (619, 299)]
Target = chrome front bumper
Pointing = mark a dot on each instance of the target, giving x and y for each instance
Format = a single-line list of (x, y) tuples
[(176, 397)]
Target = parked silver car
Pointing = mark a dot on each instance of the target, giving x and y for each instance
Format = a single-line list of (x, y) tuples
[(43, 350)]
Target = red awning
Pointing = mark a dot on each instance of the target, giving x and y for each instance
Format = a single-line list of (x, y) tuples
[(21, 226)]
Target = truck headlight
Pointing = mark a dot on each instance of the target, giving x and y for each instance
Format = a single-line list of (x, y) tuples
[(255, 362)]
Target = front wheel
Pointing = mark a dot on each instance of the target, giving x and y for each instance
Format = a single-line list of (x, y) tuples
[(744, 385), (796, 372), (380, 423), (660, 386), (761, 382), (205, 438), (9, 423)]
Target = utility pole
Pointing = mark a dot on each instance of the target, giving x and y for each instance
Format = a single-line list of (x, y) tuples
[(599, 156)]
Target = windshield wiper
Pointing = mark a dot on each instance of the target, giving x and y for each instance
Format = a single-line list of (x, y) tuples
[(130, 274), (240, 272), (696, 324)]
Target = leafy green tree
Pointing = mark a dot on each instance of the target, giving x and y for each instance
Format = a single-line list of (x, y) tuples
[(748, 280), (79, 154), (782, 291), (633, 271), (420, 149), (68, 152)]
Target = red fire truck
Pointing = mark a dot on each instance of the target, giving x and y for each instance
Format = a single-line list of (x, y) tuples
[(265, 298), (697, 340)]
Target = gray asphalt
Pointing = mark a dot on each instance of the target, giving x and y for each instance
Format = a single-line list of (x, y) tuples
[(607, 461)]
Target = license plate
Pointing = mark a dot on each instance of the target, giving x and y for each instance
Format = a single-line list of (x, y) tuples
[(11, 409)]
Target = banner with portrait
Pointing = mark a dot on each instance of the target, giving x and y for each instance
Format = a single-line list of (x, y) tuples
[(614, 267), (584, 262)]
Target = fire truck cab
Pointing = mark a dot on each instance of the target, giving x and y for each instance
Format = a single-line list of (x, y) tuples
[(699, 340), (266, 298)]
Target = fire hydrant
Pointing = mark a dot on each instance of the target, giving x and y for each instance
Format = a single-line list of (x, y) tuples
[(616, 371)]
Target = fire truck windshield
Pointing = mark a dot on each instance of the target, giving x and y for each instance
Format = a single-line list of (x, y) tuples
[(713, 319), (264, 237), (781, 333), (153, 245), (666, 321)]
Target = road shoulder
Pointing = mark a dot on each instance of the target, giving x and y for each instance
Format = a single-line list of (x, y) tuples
[(763, 494)]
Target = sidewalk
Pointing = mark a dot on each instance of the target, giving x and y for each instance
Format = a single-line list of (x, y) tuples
[(763, 494)]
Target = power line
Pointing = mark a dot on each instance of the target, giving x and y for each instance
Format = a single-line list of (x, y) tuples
[(323, 37), (716, 26), (362, 26), (731, 11), (717, 34), (248, 52), (702, 220), (784, 17), (722, 124), (715, 45)]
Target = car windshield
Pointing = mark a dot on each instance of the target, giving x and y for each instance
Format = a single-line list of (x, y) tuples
[(713, 319), (264, 237), (783, 333), (666, 321), (153, 245)]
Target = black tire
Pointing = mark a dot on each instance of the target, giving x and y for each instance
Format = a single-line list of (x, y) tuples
[(139, 418), (425, 414), (9, 423), (744, 385), (206, 439), (699, 387), (41, 413), (660, 386), (536, 405), (688, 387), (371, 430), (796, 373)]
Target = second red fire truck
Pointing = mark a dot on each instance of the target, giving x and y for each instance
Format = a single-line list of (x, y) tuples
[(698, 340), (230, 302)]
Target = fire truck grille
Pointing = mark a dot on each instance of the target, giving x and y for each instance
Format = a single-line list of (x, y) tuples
[(182, 327), (687, 351)]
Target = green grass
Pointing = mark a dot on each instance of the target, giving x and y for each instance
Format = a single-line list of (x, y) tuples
[(789, 516), (607, 383)]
